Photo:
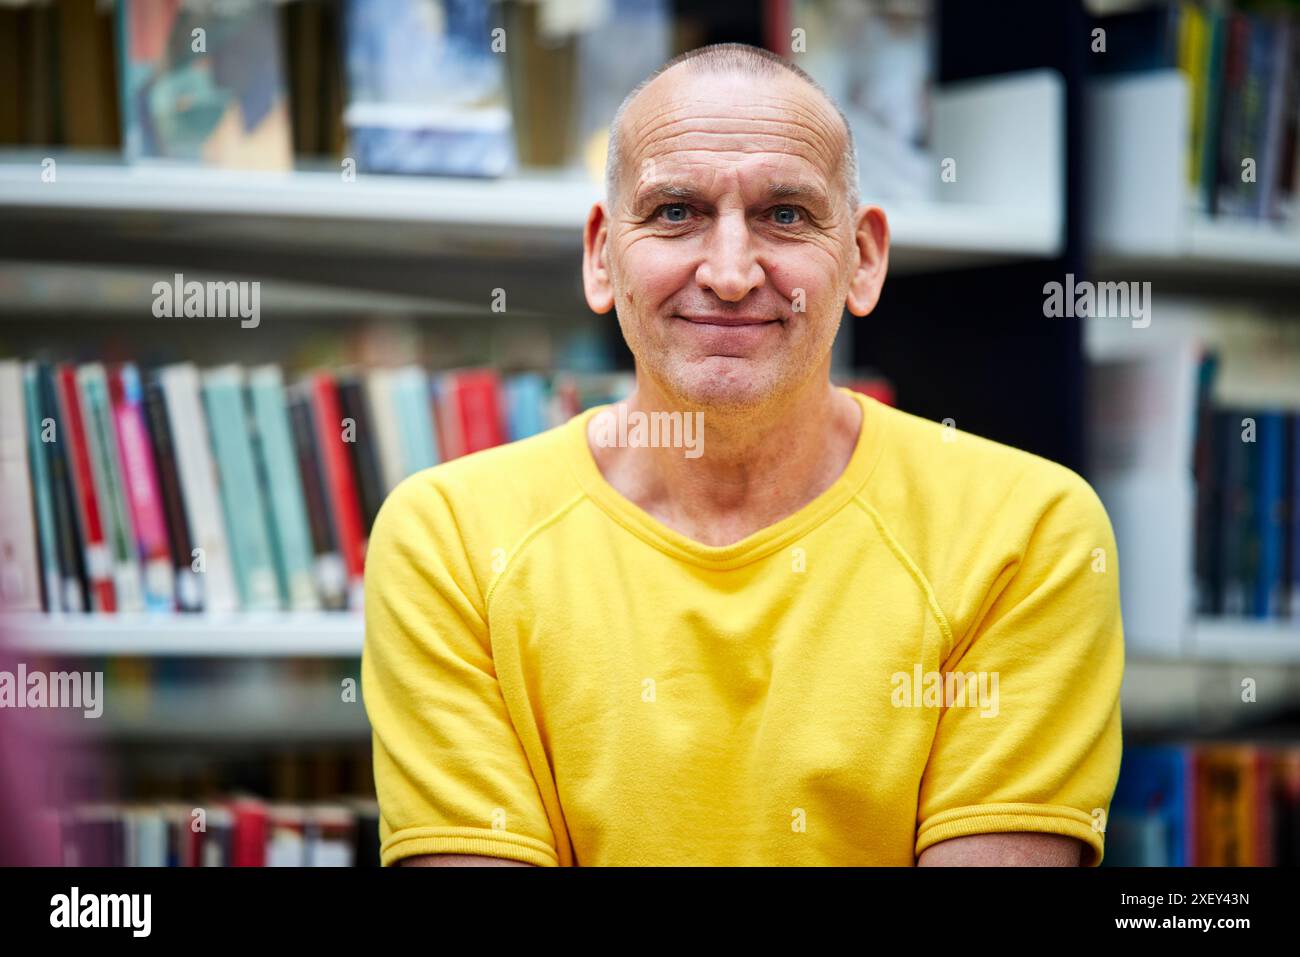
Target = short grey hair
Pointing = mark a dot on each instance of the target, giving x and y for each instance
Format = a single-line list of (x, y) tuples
[(732, 58)]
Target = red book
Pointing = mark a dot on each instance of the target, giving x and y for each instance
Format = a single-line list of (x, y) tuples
[(341, 486), (144, 495), (99, 570), (478, 400), (248, 846)]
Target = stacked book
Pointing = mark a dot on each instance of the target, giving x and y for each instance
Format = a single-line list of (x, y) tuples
[(239, 831), (1206, 805), (1242, 63), (231, 489)]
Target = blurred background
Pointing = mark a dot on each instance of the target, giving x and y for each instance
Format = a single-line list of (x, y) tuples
[(406, 183)]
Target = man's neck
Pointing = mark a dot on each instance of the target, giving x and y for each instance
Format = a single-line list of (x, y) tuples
[(758, 465)]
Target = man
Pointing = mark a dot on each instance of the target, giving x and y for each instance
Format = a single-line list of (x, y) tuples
[(828, 633)]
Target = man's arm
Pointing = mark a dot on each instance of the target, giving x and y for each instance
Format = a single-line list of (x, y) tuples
[(459, 860), (1004, 850)]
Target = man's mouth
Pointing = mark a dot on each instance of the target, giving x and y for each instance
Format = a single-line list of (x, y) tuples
[(730, 320)]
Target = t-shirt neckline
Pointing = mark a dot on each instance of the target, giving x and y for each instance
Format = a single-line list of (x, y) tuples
[(753, 547)]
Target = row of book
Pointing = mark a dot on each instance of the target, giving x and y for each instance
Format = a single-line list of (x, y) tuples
[(449, 87), (225, 489), (1206, 805), (240, 831), (1242, 63), (1247, 529)]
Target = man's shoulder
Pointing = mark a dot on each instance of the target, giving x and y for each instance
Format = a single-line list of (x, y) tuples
[(962, 478), (499, 492)]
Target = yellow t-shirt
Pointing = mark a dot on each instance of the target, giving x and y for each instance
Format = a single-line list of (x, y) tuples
[(556, 677)]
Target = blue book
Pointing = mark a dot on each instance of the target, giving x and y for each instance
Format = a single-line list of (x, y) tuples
[(413, 395), (241, 493), (42, 486), (1269, 505), (1150, 813), (1292, 577), (278, 472), (526, 396)]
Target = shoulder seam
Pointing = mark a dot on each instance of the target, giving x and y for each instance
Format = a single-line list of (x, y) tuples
[(524, 542), (912, 568)]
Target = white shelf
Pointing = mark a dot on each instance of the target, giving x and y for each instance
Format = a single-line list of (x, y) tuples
[(528, 214), (1140, 208), (306, 635)]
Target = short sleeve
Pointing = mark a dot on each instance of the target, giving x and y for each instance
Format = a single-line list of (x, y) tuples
[(1038, 747), (451, 775)]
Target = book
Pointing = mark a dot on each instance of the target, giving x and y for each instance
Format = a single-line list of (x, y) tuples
[(278, 469), (340, 487), (414, 400), (329, 569), (20, 562), (51, 574), (187, 425), (426, 88), (76, 594), (244, 505), (97, 556), (106, 466), (203, 84), (188, 590), (362, 447), (144, 496), (381, 398)]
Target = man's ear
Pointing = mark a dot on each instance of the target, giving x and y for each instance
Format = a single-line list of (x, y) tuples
[(596, 284), (872, 237)]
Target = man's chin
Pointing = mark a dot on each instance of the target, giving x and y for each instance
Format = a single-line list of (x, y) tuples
[(725, 382)]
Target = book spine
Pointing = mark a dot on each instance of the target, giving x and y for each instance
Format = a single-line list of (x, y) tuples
[(340, 487), (107, 468), (362, 451), (143, 493), (281, 478), (43, 493), (188, 590), (414, 399), (20, 573), (241, 494), (329, 569), (75, 589), (189, 432), (98, 561)]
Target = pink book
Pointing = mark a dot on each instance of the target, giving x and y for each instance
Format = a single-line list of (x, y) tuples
[(144, 494)]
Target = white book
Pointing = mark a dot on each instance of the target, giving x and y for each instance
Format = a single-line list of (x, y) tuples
[(198, 477), (20, 587), (384, 416)]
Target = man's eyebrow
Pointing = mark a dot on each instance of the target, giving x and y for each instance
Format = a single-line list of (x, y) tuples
[(812, 195)]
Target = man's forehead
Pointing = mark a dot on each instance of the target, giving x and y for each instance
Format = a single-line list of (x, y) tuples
[(688, 127)]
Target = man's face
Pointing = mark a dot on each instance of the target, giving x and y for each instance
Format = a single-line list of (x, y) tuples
[(731, 247)]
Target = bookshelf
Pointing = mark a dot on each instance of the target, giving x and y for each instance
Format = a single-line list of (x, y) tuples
[(237, 635), (1141, 218)]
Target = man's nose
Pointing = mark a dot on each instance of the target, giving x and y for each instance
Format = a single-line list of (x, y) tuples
[(730, 267)]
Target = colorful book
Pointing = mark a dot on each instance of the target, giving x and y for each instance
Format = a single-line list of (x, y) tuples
[(20, 561), (188, 592), (244, 505), (200, 491), (75, 593), (42, 493), (341, 494), (279, 475), (98, 557), (414, 398), (148, 517), (329, 569)]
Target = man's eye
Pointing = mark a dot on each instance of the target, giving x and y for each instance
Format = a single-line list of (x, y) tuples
[(670, 207), (793, 211)]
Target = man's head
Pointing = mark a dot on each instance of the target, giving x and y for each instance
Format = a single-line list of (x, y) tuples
[(731, 196)]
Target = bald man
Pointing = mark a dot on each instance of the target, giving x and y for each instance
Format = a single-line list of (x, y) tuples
[(743, 617)]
